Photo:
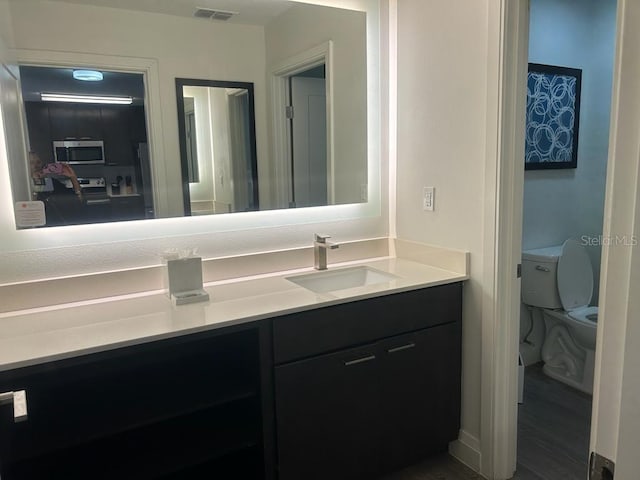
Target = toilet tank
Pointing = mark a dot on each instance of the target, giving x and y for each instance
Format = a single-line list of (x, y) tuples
[(539, 281)]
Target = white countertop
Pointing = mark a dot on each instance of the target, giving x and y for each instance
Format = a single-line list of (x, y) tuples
[(36, 336)]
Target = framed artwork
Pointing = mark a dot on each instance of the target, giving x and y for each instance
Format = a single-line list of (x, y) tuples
[(553, 117)]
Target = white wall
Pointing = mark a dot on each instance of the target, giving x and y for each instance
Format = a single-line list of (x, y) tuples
[(303, 27), (10, 100), (442, 95), (560, 204), (176, 43), (223, 173), (203, 190), (6, 27)]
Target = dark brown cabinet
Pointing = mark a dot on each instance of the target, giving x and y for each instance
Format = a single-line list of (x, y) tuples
[(363, 411), (121, 127), (127, 208), (39, 130), (325, 411), (76, 122), (182, 408), (124, 128), (343, 392), (419, 394)]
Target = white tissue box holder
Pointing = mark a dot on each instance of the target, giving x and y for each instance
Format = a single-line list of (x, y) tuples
[(184, 281)]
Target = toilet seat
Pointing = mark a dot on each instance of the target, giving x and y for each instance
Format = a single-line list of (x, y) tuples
[(585, 315), (574, 276)]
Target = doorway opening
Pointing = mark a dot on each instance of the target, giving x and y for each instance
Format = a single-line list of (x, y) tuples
[(302, 112), (563, 216), (307, 114), (87, 136)]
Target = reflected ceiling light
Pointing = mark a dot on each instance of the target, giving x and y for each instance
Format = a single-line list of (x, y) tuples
[(88, 75), (60, 97)]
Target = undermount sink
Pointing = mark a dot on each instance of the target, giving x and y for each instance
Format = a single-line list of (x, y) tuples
[(332, 280)]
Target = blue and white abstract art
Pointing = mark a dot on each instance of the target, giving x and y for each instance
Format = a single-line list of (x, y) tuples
[(553, 111)]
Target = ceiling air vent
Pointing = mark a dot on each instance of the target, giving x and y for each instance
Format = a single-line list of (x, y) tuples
[(221, 15)]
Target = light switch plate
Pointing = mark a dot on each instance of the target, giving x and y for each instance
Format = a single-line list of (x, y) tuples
[(428, 198)]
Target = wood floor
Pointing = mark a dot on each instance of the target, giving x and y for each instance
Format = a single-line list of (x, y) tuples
[(553, 437), (439, 468), (553, 429)]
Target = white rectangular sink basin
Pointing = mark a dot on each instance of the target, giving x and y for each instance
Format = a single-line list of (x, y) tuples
[(332, 280)]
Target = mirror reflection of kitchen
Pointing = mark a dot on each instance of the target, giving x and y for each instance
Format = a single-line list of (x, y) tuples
[(87, 138)]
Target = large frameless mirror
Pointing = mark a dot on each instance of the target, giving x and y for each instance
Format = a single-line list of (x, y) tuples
[(291, 133)]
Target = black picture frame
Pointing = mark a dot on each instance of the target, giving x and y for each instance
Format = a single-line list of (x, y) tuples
[(552, 117)]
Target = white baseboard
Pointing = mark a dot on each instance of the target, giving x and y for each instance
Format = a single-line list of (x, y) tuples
[(466, 450)]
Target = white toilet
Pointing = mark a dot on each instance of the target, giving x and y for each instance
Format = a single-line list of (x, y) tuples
[(559, 281)]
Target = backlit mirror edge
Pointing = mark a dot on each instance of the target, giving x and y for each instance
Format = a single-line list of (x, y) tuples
[(20, 240)]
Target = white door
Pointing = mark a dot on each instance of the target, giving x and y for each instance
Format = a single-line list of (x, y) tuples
[(309, 141), (615, 426)]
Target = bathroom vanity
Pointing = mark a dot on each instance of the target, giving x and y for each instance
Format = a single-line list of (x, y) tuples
[(346, 384)]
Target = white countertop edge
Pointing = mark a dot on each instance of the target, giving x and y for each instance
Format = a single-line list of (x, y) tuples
[(304, 299), (205, 328)]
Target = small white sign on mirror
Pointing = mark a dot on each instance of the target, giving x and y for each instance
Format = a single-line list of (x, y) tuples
[(30, 214)]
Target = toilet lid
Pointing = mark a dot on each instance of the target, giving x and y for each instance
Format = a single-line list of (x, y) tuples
[(575, 276)]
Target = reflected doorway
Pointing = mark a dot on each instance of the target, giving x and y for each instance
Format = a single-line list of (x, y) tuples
[(307, 115)]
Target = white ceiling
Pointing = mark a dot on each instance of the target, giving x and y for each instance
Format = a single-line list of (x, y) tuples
[(250, 12)]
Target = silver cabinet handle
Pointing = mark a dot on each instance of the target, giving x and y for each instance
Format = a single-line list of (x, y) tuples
[(542, 269), (102, 201), (360, 360), (19, 401), (403, 347)]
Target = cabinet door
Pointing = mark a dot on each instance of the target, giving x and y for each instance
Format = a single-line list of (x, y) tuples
[(118, 148), (127, 208), (39, 129), (88, 122), (63, 121), (137, 124), (137, 413), (79, 122), (326, 408), (420, 394)]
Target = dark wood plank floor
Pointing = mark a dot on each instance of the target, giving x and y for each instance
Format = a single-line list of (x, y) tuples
[(439, 468), (554, 424), (553, 437)]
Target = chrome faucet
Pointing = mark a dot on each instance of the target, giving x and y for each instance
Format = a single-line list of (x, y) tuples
[(320, 247)]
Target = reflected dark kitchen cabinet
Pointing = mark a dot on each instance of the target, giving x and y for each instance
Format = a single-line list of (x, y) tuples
[(75, 122), (122, 128)]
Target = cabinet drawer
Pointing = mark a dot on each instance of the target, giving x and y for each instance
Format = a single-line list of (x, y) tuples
[(331, 328)]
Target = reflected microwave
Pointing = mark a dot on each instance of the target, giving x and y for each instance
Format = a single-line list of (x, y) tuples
[(79, 152)]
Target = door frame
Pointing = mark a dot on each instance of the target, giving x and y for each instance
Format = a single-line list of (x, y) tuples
[(613, 390), (504, 184), (280, 73)]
